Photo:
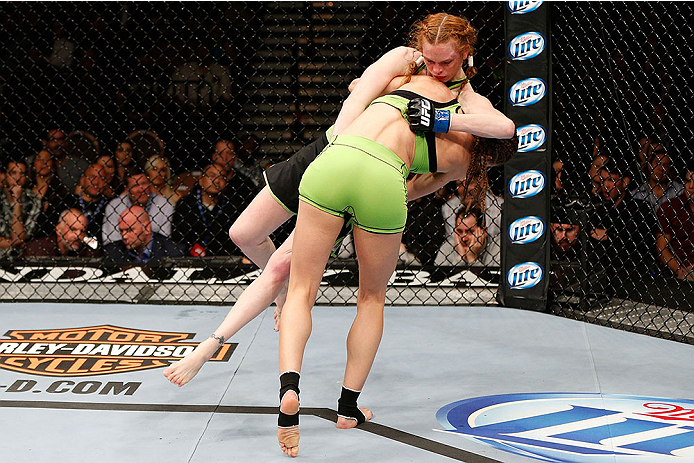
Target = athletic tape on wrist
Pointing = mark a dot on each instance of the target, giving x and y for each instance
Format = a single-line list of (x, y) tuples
[(442, 121)]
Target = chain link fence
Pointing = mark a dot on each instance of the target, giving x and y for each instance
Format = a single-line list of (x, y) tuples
[(95, 92), (108, 105), (623, 215)]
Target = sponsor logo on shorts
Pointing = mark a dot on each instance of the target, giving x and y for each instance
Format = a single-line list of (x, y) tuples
[(523, 7), (525, 275), (527, 92), (530, 137), (95, 350), (526, 46), (564, 427), (526, 230), (526, 184)]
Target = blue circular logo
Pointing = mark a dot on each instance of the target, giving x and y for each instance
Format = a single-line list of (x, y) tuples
[(565, 427), (526, 184), (524, 275), (527, 92), (523, 6)]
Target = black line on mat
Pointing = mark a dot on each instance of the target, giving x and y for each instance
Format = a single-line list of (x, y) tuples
[(325, 413)]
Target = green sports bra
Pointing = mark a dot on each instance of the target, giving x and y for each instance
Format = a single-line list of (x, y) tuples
[(425, 143)]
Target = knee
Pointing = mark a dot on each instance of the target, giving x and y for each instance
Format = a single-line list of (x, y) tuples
[(241, 235), (278, 266)]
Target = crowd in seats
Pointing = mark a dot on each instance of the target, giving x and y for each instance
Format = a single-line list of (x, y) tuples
[(179, 83), (645, 210), (132, 209), (641, 211), (121, 206), (636, 208)]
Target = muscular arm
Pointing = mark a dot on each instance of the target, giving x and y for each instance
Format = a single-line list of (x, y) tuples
[(480, 117), (373, 82), (424, 184)]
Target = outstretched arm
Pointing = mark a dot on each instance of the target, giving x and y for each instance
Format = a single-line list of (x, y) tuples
[(424, 184), (480, 117), (373, 82)]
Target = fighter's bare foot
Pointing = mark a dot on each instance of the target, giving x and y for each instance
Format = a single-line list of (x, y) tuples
[(347, 423), (288, 438), (185, 369)]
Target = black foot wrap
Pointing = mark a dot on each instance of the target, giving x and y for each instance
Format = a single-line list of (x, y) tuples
[(289, 381), (347, 406)]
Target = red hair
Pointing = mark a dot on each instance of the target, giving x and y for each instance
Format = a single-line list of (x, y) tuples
[(441, 28)]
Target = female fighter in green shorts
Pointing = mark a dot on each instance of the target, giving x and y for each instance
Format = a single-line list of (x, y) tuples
[(279, 198), (362, 173)]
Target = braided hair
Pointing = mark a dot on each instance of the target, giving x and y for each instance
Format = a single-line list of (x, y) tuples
[(487, 152), (440, 28)]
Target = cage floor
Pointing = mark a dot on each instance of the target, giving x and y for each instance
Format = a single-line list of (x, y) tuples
[(81, 382)]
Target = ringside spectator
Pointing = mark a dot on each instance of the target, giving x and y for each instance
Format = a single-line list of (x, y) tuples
[(138, 244), (676, 241), (137, 193), (68, 168), (202, 219), (623, 224), (21, 208), (46, 184), (91, 201), (68, 239), (659, 187), (470, 244), (158, 170)]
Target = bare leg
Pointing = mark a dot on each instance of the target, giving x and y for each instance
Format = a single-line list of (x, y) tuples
[(279, 303), (251, 231), (256, 298), (377, 255), (315, 235)]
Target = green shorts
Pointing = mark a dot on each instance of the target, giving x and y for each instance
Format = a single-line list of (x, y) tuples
[(358, 177)]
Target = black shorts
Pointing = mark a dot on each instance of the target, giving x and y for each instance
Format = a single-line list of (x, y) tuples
[(284, 177)]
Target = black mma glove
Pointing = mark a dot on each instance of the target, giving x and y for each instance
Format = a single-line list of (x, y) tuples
[(424, 118)]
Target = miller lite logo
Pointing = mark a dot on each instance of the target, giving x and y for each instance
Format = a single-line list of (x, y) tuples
[(522, 7), (526, 230), (588, 427), (526, 184), (525, 275), (526, 46), (530, 137), (96, 350), (527, 91)]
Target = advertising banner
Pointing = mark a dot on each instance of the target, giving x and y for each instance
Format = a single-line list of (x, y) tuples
[(525, 222)]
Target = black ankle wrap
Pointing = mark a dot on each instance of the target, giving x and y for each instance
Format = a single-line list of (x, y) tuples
[(289, 381), (347, 406)]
